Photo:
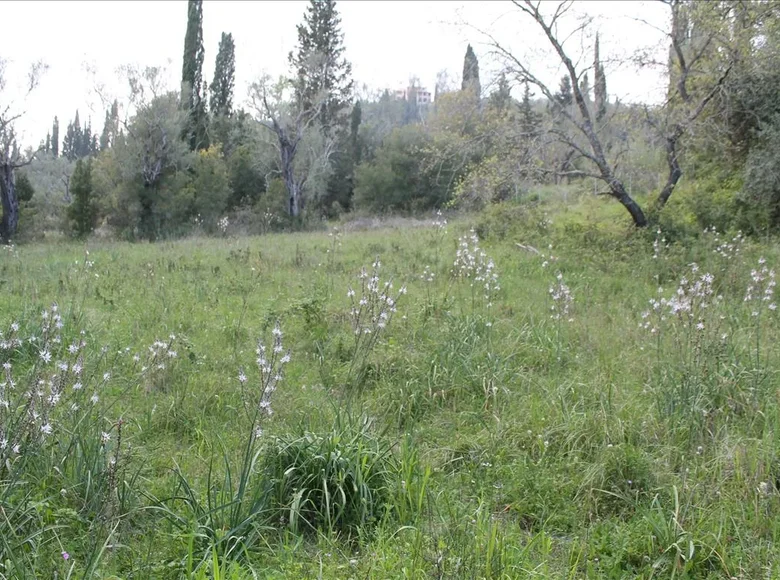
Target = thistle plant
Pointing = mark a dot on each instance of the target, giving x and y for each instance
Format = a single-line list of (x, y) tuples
[(371, 311)]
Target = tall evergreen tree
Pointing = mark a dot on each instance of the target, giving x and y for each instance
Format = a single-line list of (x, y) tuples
[(55, 138), (24, 188), (471, 73), (356, 118), (322, 75), (501, 98), (224, 78), (529, 119), (564, 95), (342, 181), (79, 141), (82, 212), (105, 136), (600, 84), (192, 97), (585, 86), (47, 144), (110, 127), (70, 142), (85, 147)]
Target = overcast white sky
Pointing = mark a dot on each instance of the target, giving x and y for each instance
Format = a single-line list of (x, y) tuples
[(84, 43)]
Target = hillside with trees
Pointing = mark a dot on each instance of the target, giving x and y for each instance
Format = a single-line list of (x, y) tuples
[(304, 147)]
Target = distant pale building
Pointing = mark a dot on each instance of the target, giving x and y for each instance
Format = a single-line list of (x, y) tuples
[(424, 96)]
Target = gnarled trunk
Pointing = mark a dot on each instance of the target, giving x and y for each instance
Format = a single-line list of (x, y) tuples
[(10, 203)]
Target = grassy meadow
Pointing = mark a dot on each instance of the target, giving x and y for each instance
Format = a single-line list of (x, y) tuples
[(503, 411)]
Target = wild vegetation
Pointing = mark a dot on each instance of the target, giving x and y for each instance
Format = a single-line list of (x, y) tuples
[(543, 395), (314, 144), (331, 334)]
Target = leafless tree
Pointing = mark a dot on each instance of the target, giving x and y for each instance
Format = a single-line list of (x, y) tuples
[(586, 137), (11, 155), (290, 123)]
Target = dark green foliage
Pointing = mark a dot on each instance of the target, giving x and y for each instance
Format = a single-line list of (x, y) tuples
[(211, 187), (55, 138), (398, 179), (471, 74), (585, 86), (110, 127), (501, 98), (247, 182), (322, 75), (762, 171), (82, 212), (193, 99), (342, 180), (224, 82), (600, 84), (564, 95), (24, 189), (530, 121), (79, 142)]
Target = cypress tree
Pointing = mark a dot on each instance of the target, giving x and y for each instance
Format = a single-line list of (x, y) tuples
[(600, 84), (585, 87), (471, 73), (55, 138), (192, 96), (501, 98), (224, 78), (77, 139), (529, 120), (105, 136), (564, 95), (82, 212), (356, 118), (69, 143)]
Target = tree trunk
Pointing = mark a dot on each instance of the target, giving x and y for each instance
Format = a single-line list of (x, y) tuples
[(288, 176), (620, 193), (675, 171), (10, 204)]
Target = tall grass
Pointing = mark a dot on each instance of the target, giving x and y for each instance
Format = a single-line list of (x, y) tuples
[(608, 410)]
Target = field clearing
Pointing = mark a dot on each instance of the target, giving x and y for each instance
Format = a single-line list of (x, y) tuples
[(542, 428)]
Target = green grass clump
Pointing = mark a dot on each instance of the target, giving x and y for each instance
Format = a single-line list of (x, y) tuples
[(339, 481)]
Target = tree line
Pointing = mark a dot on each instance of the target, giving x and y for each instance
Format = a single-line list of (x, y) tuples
[(312, 145)]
